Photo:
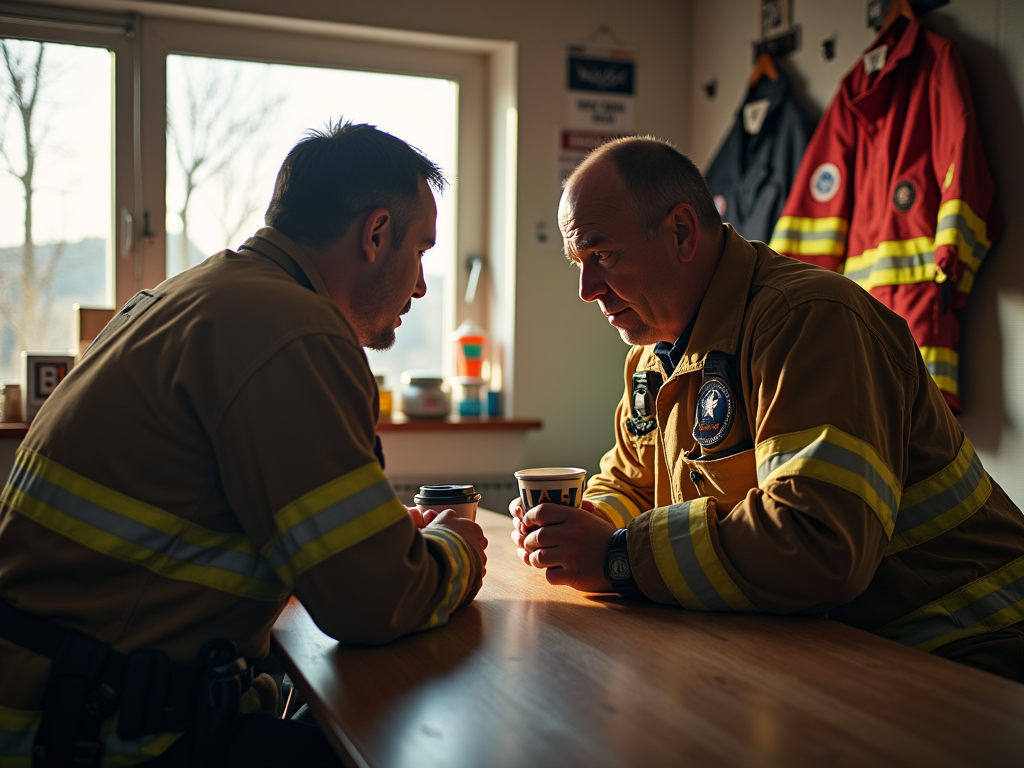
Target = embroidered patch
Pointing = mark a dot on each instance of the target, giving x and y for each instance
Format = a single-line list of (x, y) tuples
[(904, 196), (720, 204), (714, 413), (825, 182)]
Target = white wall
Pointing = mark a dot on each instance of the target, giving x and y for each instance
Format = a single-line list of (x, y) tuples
[(990, 36)]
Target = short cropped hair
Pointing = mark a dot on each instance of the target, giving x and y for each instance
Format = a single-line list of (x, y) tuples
[(657, 177), (333, 175)]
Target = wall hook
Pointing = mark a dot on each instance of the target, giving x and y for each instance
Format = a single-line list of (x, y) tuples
[(828, 48), (710, 88)]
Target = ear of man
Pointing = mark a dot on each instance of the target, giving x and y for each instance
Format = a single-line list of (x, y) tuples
[(683, 230), (376, 234)]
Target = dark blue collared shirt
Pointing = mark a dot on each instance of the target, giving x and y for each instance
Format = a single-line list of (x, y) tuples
[(671, 354)]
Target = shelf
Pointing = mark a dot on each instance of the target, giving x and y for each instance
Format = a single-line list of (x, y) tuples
[(401, 423), (13, 430)]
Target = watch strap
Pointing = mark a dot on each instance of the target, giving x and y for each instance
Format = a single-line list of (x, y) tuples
[(617, 569)]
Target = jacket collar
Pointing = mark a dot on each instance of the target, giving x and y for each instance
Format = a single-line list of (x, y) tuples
[(870, 102), (274, 245), (720, 317)]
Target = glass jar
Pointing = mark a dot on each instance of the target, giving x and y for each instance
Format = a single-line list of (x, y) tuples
[(423, 395)]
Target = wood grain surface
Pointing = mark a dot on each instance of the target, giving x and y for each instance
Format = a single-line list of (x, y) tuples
[(535, 675)]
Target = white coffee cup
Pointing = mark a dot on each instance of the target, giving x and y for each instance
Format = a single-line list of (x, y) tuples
[(555, 485)]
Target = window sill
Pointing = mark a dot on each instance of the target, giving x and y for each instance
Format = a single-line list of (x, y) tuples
[(402, 423), (13, 430)]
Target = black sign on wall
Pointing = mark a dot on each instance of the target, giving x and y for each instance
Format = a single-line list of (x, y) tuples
[(602, 75)]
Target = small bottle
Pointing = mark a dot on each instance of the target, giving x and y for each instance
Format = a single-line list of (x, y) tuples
[(470, 349), (385, 397)]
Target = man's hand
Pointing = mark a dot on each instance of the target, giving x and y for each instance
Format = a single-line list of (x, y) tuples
[(472, 533), (417, 516), (569, 543)]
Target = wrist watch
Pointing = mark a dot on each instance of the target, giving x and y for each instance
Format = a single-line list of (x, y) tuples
[(616, 567)]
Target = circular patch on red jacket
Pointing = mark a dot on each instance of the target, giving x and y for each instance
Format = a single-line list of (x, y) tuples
[(904, 196)]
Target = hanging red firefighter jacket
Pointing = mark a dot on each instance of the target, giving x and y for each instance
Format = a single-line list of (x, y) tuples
[(894, 190)]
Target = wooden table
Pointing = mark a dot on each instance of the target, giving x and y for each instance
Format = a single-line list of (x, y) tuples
[(535, 675)]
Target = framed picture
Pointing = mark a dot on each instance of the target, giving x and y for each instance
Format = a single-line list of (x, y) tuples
[(774, 18), (40, 374)]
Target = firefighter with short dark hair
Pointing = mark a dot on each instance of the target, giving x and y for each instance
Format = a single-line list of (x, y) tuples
[(214, 453)]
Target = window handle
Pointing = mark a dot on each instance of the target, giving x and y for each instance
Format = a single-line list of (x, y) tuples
[(476, 265), (127, 233)]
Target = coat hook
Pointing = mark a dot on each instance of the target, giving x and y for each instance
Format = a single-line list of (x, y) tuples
[(710, 88), (828, 48)]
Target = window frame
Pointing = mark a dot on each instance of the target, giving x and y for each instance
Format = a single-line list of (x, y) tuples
[(485, 70)]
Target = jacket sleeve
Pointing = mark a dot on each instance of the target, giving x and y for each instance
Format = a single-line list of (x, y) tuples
[(816, 218), (830, 473), (625, 485), (296, 449), (968, 221)]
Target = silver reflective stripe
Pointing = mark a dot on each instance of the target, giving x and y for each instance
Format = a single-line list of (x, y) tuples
[(799, 234), (686, 558), (956, 221), (940, 368), (835, 455), (329, 519), (931, 508), (968, 616), (909, 261), (616, 504), (134, 532)]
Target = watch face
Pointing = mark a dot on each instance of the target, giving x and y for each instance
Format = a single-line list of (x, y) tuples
[(618, 568)]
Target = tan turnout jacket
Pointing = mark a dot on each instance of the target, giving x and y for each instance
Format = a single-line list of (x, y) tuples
[(211, 455), (844, 484)]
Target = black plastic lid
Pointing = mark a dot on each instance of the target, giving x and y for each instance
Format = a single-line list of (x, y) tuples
[(430, 495)]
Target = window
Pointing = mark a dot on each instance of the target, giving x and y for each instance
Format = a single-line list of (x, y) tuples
[(117, 182), (230, 124), (55, 192)]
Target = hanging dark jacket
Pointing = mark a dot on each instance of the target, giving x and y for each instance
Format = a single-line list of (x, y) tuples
[(752, 174)]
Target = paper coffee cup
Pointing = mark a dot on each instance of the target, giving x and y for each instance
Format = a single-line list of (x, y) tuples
[(555, 485), (461, 499)]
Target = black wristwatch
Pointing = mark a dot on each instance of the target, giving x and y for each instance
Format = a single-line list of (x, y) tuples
[(616, 567)]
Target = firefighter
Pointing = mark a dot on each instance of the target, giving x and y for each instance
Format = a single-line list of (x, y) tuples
[(212, 454), (780, 446)]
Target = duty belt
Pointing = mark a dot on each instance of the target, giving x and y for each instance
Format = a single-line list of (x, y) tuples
[(90, 681)]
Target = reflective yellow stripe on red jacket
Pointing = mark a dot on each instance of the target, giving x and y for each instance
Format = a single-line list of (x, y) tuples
[(810, 236)]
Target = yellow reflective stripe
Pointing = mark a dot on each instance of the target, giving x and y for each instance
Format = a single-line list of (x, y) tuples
[(829, 454), (949, 177), (943, 501), (126, 529), (687, 561), (18, 732), (618, 509), (810, 236), (330, 519), (807, 224), (894, 262), (986, 605), (456, 552), (974, 221), (943, 366)]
